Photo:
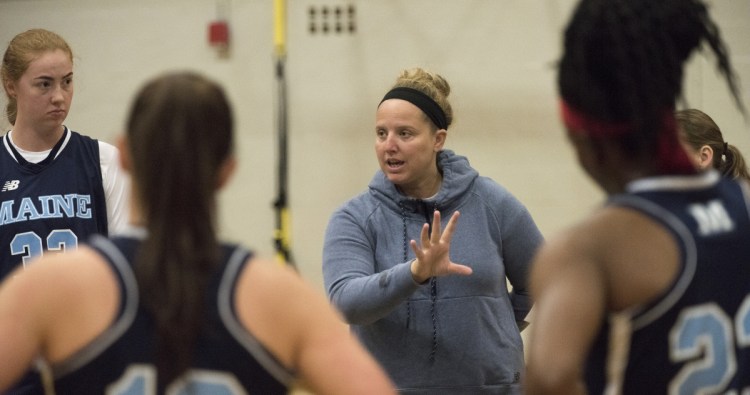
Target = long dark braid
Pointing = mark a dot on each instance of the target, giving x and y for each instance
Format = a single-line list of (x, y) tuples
[(623, 62)]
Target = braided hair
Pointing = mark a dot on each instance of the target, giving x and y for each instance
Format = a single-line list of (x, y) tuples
[(623, 63)]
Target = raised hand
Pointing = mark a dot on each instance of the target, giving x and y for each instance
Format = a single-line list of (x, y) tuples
[(433, 256)]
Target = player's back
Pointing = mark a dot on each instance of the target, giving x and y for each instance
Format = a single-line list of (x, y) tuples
[(227, 359), (696, 336)]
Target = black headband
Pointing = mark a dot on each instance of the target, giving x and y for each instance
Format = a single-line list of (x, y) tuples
[(421, 100)]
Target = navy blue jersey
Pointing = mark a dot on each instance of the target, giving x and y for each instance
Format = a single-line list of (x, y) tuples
[(227, 358), (49, 205), (695, 337)]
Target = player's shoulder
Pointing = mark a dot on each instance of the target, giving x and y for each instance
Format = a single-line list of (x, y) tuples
[(105, 148), (594, 236), (267, 283), (266, 272), (66, 276), (75, 268), (108, 153)]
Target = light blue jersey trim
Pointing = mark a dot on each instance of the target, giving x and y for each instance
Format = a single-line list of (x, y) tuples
[(120, 326), (643, 317), (674, 183), (251, 344)]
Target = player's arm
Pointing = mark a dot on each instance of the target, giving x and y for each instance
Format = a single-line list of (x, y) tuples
[(302, 330), (52, 308), (19, 334), (116, 184), (569, 289)]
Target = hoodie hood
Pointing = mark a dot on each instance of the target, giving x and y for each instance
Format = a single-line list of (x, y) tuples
[(458, 177)]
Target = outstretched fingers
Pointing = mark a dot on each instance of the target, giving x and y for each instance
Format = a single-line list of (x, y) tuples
[(445, 239), (425, 236), (459, 269), (433, 255), (435, 237), (450, 228)]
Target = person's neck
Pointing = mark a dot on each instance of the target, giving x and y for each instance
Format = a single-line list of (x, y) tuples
[(619, 181), (426, 190), (36, 140)]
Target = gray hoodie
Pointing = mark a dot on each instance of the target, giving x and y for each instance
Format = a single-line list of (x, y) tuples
[(451, 335)]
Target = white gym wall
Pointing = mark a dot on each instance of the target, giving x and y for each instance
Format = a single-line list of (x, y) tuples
[(498, 56)]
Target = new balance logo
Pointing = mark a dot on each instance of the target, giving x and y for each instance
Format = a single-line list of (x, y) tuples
[(11, 185)]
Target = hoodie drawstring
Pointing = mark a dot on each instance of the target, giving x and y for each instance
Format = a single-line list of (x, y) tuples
[(433, 280), (433, 297), (433, 291), (406, 257)]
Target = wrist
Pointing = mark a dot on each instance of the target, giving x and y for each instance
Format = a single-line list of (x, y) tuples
[(415, 275)]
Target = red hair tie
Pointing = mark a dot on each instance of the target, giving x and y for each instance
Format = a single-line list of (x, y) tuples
[(671, 157), (580, 123)]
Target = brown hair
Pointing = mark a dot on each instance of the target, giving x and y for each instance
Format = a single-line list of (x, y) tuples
[(431, 84), (179, 136), (698, 129), (24, 48)]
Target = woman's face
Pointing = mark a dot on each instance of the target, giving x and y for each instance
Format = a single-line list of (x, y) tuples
[(44, 92), (407, 147)]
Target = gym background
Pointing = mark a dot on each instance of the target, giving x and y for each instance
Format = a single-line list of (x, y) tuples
[(342, 56)]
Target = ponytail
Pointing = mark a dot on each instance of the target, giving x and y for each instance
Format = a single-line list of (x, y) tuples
[(180, 135)]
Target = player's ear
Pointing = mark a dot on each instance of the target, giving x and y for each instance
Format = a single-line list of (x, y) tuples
[(10, 88), (226, 171), (706, 156), (440, 137), (124, 148)]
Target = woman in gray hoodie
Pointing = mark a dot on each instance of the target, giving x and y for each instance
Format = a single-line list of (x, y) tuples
[(424, 291)]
